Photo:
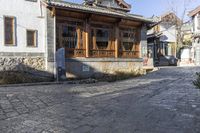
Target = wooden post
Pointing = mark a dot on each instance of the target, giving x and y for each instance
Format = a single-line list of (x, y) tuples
[(94, 39), (79, 37), (116, 40), (138, 38), (87, 36)]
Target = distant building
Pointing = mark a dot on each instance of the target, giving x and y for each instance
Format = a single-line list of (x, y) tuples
[(195, 16), (98, 37), (162, 38), (186, 30), (186, 53)]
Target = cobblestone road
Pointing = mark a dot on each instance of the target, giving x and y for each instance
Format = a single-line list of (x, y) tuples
[(161, 102)]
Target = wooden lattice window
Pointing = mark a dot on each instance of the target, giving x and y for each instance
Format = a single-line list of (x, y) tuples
[(102, 38), (9, 30), (69, 36), (31, 38), (128, 39)]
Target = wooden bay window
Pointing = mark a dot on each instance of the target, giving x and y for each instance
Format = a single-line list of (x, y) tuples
[(9, 30), (102, 38), (101, 42), (129, 47), (70, 36)]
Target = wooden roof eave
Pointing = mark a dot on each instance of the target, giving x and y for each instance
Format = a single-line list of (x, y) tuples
[(153, 24), (109, 15), (194, 12)]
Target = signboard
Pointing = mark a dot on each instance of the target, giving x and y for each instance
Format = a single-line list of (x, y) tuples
[(85, 68)]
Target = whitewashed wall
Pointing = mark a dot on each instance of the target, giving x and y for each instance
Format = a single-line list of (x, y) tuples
[(169, 33), (196, 25), (28, 16)]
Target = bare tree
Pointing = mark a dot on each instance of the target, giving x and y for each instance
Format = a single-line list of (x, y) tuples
[(180, 9)]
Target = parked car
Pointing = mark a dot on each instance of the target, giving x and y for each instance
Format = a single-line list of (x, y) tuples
[(172, 60)]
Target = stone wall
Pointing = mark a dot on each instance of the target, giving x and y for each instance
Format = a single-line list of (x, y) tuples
[(97, 67), (22, 64), (22, 61)]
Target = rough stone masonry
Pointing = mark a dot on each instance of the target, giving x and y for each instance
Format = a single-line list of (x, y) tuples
[(22, 63)]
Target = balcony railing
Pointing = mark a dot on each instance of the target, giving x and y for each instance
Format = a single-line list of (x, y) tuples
[(129, 54), (71, 52), (102, 53)]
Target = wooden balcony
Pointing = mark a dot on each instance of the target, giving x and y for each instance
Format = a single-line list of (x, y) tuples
[(129, 54), (102, 53), (71, 52)]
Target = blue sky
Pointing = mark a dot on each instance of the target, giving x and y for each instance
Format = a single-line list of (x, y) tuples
[(148, 8)]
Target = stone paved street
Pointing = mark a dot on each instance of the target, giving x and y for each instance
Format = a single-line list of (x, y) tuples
[(160, 102)]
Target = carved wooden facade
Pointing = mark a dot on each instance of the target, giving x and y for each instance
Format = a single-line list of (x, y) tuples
[(93, 30), (87, 35), (97, 39)]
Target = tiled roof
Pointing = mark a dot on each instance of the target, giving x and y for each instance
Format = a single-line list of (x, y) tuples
[(157, 35), (97, 10), (194, 12)]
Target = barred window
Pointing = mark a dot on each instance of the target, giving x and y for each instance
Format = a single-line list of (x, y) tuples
[(70, 36)]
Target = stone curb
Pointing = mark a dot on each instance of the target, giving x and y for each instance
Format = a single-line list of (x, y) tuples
[(48, 83), (32, 84), (56, 82)]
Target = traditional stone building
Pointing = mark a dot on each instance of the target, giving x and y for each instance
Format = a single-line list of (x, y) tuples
[(98, 37)]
